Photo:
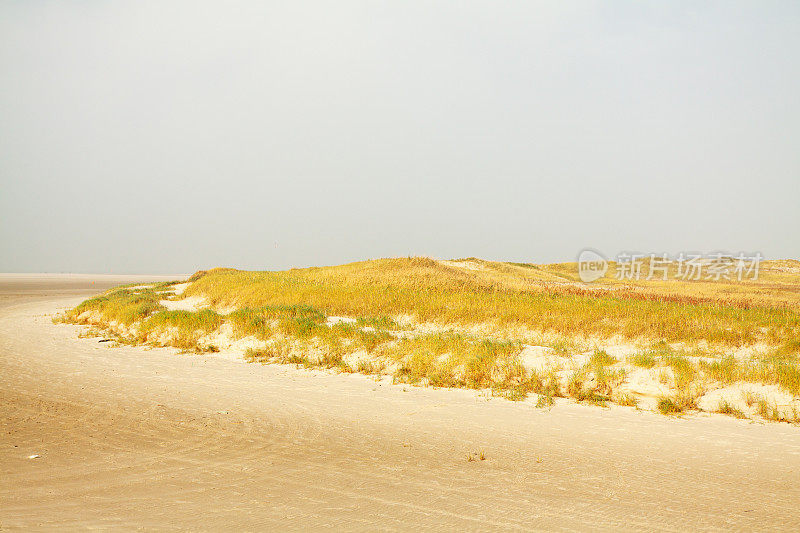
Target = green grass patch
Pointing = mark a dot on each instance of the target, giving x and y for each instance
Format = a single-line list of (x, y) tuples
[(122, 305), (644, 359), (725, 370), (727, 409)]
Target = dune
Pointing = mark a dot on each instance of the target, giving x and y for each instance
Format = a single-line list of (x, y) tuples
[(102, 436), (519, 330)]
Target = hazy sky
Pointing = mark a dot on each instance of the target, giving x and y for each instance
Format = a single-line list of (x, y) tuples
[(151, 137)]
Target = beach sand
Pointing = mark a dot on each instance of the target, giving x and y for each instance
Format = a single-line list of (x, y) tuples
[(95, 436)]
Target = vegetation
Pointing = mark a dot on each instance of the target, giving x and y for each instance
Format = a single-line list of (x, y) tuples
[(499, 293), (125, 306), (668, 406), (727, 409), (466, 323), (644, 359)]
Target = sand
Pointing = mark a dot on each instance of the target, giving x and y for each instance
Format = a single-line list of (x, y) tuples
[(100, 437)]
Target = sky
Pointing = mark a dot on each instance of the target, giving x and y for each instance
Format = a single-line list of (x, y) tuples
[(168, 137)]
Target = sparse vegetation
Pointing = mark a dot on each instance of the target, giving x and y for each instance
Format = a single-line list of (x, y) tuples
[(727, 409), (725, 370), (500, 293), (667, 406), (683, 371), (122, 305), (626, 399), (545, 400), (644, 360)]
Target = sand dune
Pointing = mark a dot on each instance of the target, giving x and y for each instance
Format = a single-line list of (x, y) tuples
[(133, 437)]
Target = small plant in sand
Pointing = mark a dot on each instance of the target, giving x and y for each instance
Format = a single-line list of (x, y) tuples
[(626, 399), (727, 409), (644, 360), (479, 456), (680, 403), (667, 406), (725, 370), (545, 401)]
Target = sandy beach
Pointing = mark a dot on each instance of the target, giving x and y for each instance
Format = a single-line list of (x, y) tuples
[(100, 437)]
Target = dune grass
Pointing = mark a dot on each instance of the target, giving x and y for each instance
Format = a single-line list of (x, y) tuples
[(596, 382), (644, 359), (464, 324), (431, 291), (123, 305), (452, 360), (727, 409)]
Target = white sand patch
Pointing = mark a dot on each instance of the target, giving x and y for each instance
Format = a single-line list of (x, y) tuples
[(163, 337), (621, 351), (752, 351), (464, 265), (229, 346), (745, 397), (333, 320), (192, 303), (176, 289), (647, 382), (405, 321), (539, 359), (179, 288), (138, 287), (353, 360)]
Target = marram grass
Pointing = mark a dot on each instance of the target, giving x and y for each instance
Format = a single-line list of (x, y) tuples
[(430, 291), (388, 298)]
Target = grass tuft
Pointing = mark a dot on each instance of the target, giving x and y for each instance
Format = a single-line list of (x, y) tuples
[(727, 409)]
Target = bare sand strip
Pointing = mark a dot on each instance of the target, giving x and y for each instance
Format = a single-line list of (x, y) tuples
[(131, 437)]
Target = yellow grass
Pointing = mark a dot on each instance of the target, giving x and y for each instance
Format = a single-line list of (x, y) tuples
[(477, 316), (511, 295)]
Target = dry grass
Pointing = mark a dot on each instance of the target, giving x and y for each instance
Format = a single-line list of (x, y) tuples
[(626, 399), (288, 312), (503, 294), (644, 359), (727, 409), (123, 305), (452, 360), (669, 406)]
